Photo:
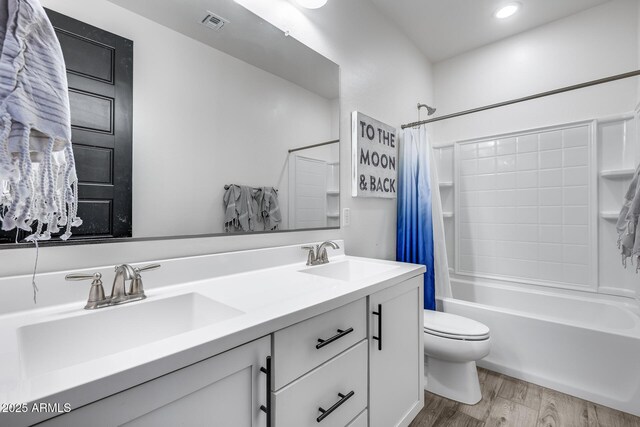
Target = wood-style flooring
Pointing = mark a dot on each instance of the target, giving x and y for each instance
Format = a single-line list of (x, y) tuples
[(510, 402)]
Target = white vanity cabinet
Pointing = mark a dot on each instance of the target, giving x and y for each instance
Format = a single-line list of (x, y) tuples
[(395, 354), (383, 366), (356, 365), (224, 391), (320, 364)]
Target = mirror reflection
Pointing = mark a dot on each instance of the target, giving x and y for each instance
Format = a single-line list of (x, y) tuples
[(192, 119)]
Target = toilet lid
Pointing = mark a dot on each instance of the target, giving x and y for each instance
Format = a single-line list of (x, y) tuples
[(453, 326)]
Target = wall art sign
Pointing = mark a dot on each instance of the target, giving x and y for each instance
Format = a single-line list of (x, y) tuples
[(374, 163)]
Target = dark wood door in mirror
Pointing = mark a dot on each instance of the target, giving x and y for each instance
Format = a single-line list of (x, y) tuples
[(100, 73)]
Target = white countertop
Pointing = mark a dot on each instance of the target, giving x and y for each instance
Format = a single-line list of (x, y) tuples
[(271, 299)]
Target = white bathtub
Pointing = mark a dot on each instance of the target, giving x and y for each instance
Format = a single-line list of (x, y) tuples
[(577, 345)]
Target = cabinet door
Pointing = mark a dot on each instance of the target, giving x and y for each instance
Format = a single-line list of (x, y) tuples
[(396, 354), (223, 391)]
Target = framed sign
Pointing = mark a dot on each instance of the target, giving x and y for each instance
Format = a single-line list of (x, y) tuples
[(374, 162)]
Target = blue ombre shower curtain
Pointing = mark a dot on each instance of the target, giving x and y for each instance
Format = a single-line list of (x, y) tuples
[(415, 223)]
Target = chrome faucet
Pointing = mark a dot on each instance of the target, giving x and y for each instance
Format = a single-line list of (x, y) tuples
[(119, 293), (318, 254)]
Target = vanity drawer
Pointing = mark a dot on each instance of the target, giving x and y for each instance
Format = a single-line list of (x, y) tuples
[(342, 379), (296, 349)]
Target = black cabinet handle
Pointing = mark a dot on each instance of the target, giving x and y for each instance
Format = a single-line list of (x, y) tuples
[(379, 337), (267, 409), (343, 398), (340, 334)]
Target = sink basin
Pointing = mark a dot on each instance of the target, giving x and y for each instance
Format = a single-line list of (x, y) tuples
[(349, 270), (48, 346)]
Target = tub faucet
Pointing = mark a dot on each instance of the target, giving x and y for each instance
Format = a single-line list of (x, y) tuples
[(318, 254)]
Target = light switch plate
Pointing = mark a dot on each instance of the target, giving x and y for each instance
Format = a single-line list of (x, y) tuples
[(346, 217)]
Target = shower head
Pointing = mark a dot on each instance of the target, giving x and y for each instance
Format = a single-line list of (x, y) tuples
[(430, 110)]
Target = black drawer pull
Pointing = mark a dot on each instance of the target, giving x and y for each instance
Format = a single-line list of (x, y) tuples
[(267, 409), (379, 337), (343, 398), (340, 334)]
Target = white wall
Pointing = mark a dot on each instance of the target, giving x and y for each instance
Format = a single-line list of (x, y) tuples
[(596, 43), (382, 74)]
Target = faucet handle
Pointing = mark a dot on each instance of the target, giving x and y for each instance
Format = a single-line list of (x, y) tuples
[(82, 276), (311, 257), (136, 284), (96, 294), (139, 270), (323, 258)]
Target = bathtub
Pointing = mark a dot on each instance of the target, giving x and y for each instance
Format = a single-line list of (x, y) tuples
[(577, 345)]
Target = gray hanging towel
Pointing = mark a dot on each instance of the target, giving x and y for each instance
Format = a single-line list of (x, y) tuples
[(229, 200), (240, 208), (269, 208), (627, 225), (37, 168)]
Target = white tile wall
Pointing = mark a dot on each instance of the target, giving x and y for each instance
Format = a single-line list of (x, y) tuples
[(527, 143), (506, 163), (531, 192), (550, 140), (550, 159), (524, 207), (506, 146)]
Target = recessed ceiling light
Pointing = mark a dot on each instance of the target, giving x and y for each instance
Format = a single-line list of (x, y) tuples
[(311, 4), (507, 10)]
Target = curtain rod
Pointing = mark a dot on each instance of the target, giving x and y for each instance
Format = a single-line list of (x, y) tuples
[(291, 150), (527, 98)]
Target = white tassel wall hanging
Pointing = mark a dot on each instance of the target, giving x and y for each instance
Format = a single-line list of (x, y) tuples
[(37, 168), (38, 181)]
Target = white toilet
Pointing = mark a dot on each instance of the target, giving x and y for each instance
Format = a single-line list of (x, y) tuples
[(452, 344)]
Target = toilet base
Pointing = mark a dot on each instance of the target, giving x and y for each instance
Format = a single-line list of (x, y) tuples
[(454, 380)]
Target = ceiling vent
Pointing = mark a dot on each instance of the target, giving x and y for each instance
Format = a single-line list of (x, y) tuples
[(213, 21)]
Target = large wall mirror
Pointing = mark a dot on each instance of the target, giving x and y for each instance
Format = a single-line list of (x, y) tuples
[(234, 125)]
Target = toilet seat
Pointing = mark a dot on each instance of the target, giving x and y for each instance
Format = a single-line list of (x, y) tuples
[(451, 326)]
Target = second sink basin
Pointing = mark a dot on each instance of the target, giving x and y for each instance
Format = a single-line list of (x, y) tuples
[(349, 270), (48, 346)]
